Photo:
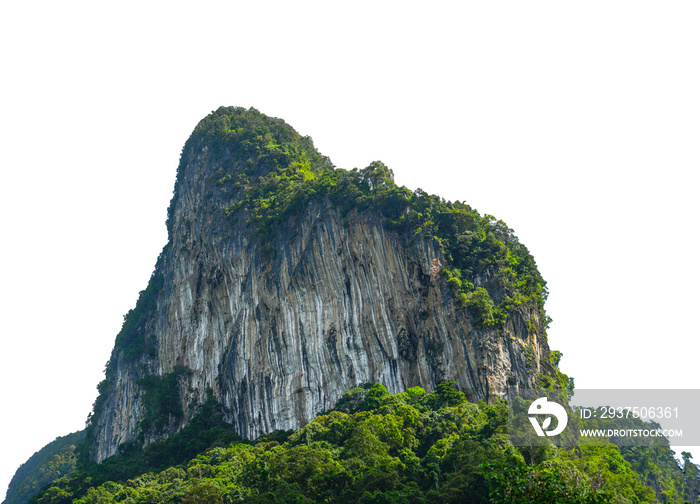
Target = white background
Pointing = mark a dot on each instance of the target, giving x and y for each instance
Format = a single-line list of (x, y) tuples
[(575, 123)]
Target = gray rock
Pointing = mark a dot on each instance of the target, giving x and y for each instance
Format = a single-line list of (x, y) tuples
[(279, 337)]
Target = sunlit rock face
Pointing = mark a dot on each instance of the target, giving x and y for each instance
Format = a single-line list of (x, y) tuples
[(279, 330)]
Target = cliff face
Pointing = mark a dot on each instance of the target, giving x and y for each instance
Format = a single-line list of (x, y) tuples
[(278, 324)]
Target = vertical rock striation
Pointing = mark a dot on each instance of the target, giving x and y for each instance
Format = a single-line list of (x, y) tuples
[(279, 324)]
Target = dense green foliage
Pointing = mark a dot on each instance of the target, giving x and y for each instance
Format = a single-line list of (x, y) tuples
[(267, 173), (132, 338), (375, 447), (246, 145), (161, 400), (53, 461), (205, 430), (659, 471)]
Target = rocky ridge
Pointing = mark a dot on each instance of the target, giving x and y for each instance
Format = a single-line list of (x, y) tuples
[(278, 321)]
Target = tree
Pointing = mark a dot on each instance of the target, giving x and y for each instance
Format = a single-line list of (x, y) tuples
[(691, 476), (446, 394), (204, 493)]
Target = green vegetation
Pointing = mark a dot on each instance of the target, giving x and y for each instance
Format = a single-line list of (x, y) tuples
[(246, 145), (131, 340), (161, 400), (53, 461), (266, 173), (131, 344), (206, 430), (374, 447)]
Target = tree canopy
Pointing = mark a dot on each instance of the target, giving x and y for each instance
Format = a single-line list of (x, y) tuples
[(377, 447)]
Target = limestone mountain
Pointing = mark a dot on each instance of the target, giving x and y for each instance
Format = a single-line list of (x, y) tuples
[(287, 281)]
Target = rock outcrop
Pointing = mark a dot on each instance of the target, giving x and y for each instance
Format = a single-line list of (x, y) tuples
[(279, 323)]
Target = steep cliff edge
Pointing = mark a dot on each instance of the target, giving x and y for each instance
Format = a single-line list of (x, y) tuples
[(286, 281)]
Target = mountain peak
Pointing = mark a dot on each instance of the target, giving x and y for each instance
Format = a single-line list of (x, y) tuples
[(287, 281)]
